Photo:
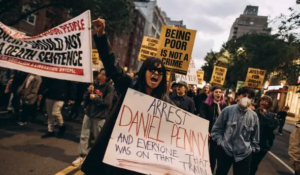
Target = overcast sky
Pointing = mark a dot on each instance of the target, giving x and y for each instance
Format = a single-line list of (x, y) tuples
[(213, 18)]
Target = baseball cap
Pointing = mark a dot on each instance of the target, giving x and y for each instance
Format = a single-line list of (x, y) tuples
[(183, 83)]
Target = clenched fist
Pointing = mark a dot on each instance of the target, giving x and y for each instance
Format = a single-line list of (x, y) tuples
[(99, 26)]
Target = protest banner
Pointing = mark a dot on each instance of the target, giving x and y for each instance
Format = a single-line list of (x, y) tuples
[(255, 78), (63, 52), (95, 56), (153, 137), (218, 76), (148, 48), (191, 77), (175, 48), (239, 85), (200, 76)]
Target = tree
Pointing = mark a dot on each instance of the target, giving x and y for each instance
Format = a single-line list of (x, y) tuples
[(118, 13)]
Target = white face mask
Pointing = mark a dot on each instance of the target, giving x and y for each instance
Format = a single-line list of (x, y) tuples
[(245, 102)]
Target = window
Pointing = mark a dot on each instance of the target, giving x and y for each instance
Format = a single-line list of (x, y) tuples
[(153, 31), (155, 18), (121, 43), (159, 26), (31, 19)]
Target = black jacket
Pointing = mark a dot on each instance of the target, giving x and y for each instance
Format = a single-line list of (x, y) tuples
[(184, 102), (268, 123), (60, 90), (93, 164), (198, 99), (210, 113), (100, 106)]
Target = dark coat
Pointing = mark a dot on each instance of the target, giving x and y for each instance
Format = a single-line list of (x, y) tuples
[(210, 113), (100, 106), (93, 164), (199, 99), (184, 102), (30, 94)]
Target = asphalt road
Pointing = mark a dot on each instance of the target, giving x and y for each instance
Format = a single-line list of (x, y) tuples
[(23, 152)]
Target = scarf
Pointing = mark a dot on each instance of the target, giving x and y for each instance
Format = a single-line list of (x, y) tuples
[(219, 108)]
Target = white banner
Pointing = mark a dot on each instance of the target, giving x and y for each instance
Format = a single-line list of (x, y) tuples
[(63, 52), (154, 137), (190, 77)]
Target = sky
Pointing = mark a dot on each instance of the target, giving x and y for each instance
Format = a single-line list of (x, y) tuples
[(213, 18)]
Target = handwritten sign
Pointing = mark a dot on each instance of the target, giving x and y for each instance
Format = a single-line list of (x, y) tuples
[(148, 48), (95, 56), (218, 76), (154, 137), (200, 76), (63, 52), (175, 48), (255, 78), (191, 77)]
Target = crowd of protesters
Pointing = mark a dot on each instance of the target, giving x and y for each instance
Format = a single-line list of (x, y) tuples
[(239, 134)]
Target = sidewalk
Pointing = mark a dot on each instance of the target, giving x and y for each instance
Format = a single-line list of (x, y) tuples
[(290, 124)]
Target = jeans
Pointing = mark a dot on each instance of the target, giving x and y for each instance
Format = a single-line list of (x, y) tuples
[(89, 125), (212, 154), (54, 113), (224, 163), (256, 159), (281, 124)]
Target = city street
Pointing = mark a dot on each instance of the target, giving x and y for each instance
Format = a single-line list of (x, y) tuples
[(23, 152)]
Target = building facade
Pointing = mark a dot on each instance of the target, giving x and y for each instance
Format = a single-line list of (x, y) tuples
[(249, 22)]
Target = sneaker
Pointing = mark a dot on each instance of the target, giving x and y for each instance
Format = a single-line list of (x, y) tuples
[(22, 123), (78, 162), (48, 135), (61, 132)]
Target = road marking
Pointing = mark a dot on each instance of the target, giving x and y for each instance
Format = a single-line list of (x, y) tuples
[(66, 171), (277, 158), (79, 173)]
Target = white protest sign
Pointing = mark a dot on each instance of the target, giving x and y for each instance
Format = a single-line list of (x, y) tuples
[(191, 77), (63, 52), (154, 137)]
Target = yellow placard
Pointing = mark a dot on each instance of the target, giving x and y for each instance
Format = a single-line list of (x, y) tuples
[(168, 75), (255, 78), (95, 56), (175, 48), (200, 76), (148, 48), (218, 76)]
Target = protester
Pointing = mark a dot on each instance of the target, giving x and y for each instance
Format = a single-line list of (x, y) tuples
[(181, 100), (282, 116), (57, 92), (191, 92), (9, 92), (294, 149), (268, 123), (174, 89), (236, 131), (210, 111), (18, 80), (76, 107), (200, 98), (97, 101), (29, 95), (151, 81)]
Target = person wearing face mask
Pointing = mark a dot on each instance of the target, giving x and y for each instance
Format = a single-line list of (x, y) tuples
[(210, 110), (268, 123), (181, 100), (236, 132), (151, 81)]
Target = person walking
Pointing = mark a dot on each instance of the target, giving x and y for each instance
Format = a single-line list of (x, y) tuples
[(236, 132), (268, 123), (294, 149), (210, 110), (98, 102), (181, 100), (57, 92), (282, 117), (151, 81)]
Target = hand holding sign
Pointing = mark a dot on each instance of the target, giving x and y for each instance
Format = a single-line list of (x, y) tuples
[(99, 26)]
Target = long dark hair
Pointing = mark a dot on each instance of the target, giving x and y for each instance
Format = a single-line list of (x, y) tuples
[(141, 84)]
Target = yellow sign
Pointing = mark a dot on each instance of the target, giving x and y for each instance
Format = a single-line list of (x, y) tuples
[(95, 56), (200, 76), (168, 75), (255, 78), (218, 76), (175, 48), (148, 48)]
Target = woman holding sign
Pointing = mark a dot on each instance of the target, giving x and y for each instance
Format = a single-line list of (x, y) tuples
[(210, 110), (151, 81)]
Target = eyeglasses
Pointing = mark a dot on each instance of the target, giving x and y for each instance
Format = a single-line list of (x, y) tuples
[(153, 69)]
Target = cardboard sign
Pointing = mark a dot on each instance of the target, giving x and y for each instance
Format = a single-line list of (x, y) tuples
[(255, 78), (95, 56), (218, 76), (200, 76), (148, 48), (191, 77), (153, 137), (239, 85), (63, 52), (175, 48)]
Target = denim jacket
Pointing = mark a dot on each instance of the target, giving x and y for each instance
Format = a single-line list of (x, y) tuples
[(237, 131)]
